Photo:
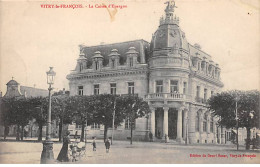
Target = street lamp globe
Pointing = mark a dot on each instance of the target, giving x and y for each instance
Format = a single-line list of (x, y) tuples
[(50, 76)]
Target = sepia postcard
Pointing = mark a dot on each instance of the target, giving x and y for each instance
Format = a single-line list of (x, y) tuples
[(129, 81)]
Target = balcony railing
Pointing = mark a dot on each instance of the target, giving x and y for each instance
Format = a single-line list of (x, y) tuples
[(165, 96)]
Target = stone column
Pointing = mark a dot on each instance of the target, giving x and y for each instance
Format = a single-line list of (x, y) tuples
[(199, 65), (219, 134), (215, 132), (153, 122), (223, 130), (185, 124), (208, 123), (201, 125), (165, 123), (179, 125), (191, 124)]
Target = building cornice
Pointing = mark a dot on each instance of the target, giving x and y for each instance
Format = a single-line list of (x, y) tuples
[(108, 73)]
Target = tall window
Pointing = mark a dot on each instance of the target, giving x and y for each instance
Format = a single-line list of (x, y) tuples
[(113, 88), (197, 122), (159, 86), (205, 123), (80, 90), (131, 61), (211, 125), (97, 65), (131, 87), (198, 91), (184, 87), (128, 124), (80, 67), (95, 126), (113, 63), (205, 94), (174, 86), (96, 89)]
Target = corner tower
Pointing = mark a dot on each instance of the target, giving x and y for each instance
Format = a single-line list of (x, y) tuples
[(169, 51)]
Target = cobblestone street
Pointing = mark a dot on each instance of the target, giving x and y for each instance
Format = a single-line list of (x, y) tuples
[(139, 152)]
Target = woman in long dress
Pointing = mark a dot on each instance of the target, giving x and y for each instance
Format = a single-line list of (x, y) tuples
[(63, 155)]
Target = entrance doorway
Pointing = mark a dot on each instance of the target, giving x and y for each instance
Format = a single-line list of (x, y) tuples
[(159, 122), (172, 123)]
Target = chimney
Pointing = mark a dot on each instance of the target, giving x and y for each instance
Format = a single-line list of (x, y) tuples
[(63, 91), (0, 94)]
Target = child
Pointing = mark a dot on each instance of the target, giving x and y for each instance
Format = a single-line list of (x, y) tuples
[(94, 143), (107, 144)]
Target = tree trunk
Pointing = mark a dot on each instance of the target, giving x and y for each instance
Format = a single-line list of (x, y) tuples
[(18, 133), (40, 132), (60, 128), (105, 133), (247, 138), (131, 141), (82, 132), (22, 132)]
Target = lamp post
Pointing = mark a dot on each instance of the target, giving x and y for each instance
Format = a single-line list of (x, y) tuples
[(237, 99), (47, 152)]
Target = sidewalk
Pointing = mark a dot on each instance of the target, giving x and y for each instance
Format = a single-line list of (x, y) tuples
[(123, 152)]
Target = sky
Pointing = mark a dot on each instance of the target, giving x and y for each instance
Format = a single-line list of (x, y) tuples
[(34, 38)]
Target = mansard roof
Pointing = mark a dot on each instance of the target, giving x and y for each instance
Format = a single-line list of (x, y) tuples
[(141, 46)]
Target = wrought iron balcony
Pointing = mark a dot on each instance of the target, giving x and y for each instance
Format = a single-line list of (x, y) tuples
[(174, 96)]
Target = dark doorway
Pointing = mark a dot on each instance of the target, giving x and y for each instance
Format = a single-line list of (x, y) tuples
[(172, 123), (159, 123)]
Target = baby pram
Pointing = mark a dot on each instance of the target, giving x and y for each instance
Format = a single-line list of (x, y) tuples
[(77, 150)]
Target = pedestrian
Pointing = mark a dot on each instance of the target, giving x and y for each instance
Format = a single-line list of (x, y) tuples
[(107, 144), (94, 144), (63, 155), (151, 136)]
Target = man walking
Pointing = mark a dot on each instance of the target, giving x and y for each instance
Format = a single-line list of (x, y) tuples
[(94, 144), (107, 144)]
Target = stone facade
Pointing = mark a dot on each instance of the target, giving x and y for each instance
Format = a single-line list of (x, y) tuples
[(173, 76)]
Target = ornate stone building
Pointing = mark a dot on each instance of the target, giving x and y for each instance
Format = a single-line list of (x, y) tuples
[(173, 76)]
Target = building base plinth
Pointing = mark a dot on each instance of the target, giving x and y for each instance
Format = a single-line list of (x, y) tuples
[(180, 140)]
